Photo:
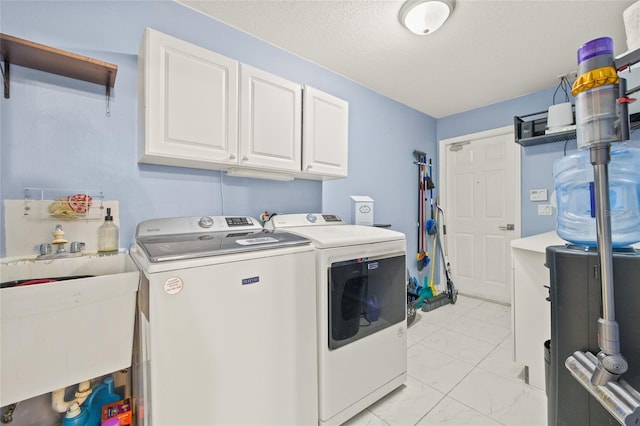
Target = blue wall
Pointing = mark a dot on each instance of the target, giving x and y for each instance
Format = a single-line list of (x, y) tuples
[(536, 161), (55, 133)]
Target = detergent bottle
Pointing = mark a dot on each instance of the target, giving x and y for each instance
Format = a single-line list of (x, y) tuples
[(102, 395)]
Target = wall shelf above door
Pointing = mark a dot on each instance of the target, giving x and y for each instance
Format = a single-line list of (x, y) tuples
[(26, 53), (539, 139)]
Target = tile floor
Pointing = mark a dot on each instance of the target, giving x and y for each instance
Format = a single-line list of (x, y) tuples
[(460, 372)]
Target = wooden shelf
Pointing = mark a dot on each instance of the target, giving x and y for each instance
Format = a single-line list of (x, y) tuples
[(26, 53)]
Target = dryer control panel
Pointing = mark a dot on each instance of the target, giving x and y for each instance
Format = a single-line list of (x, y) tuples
[(310, 219)]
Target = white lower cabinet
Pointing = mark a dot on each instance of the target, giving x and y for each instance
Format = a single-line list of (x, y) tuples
[(325, 134), (203, 110), (188, 103), (530, 307)]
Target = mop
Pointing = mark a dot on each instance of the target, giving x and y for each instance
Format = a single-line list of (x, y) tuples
[(422, 256), (451, 294)]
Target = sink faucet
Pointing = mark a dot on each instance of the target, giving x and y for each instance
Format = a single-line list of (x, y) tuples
[(76, 246), (59, 241)]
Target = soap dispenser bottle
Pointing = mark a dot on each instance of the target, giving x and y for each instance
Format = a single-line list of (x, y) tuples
[(108, 234)]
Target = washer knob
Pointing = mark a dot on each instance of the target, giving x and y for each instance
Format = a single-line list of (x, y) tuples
[(205, 222), (311, 218)]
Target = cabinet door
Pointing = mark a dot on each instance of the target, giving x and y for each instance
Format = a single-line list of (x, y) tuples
[(190, 97), (325, 134), (270, 121), (531, 312)]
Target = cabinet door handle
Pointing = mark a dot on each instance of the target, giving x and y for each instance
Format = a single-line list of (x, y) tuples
[(509, 227), (309, 167), (245, 158), (548, 298), (232, 157)]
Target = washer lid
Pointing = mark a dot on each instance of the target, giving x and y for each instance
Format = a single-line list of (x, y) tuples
[(187, 246), (192, 237)]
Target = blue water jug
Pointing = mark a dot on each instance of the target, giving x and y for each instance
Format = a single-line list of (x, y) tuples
[(576, 221)]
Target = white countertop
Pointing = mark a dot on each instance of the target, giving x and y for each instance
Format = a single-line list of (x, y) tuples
[(538, 243)]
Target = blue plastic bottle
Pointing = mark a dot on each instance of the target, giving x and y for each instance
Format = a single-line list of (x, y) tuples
[(576, 221)]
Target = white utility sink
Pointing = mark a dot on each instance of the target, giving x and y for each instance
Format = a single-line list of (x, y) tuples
[(60, 333)]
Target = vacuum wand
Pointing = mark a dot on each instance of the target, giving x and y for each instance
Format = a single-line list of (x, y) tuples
[(611, 364)]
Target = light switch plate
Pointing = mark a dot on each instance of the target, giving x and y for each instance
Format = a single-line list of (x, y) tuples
[(538, 195), (545, 210)]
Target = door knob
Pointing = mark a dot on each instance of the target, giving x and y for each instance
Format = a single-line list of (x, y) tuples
[(509, 227)]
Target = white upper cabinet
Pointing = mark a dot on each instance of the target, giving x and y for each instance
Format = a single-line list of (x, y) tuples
[(325, 134), (188, 104), (270, 121), (203, 110)]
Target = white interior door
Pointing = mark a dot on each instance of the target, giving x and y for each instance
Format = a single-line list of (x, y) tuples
[(480, 194)]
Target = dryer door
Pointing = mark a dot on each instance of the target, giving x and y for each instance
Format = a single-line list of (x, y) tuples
[(365, 296)]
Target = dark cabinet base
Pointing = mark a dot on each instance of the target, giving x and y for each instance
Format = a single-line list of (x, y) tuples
[(576, 299)]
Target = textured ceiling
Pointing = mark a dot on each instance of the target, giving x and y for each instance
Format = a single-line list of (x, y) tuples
[(488, 51)]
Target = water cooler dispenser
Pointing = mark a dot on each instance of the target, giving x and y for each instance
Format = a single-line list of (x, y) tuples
[(576, 301)]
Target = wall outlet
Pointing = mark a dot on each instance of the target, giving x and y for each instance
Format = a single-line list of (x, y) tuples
[(545, 210), (538, 195)]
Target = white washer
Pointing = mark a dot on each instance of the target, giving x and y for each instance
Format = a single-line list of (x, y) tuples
[(226, 324), (362, 339)]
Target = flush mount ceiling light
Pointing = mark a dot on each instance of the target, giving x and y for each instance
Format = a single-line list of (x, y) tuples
[(425, 16)]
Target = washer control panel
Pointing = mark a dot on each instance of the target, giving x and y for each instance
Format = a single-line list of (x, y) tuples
[(197, 224), (233, 222), (206, 222)]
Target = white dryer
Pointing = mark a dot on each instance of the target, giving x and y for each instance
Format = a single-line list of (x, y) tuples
[(361, 294), (226, 325)]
